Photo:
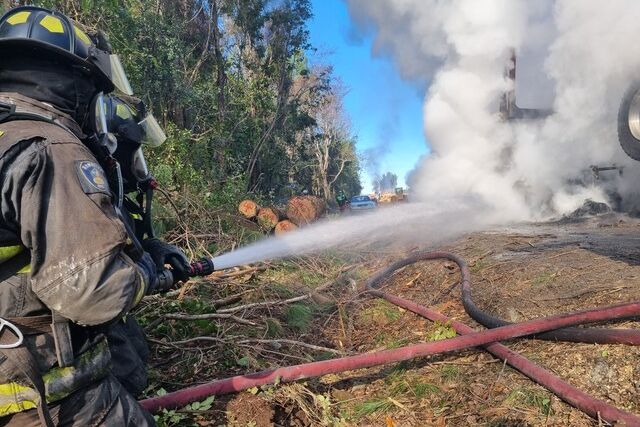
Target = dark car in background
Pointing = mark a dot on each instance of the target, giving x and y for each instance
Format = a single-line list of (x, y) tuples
[(362, 203)]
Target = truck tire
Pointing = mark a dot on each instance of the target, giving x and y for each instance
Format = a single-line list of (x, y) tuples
[(629, 121)]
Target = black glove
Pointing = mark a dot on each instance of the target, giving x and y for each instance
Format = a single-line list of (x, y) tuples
[(150, 270), (163, 253), (157, 281)]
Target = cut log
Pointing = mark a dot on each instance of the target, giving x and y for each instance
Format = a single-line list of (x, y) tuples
[(268, 218), (284, 227), (302, 210), (248, 208)]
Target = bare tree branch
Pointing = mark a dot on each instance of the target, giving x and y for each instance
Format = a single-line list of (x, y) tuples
[(177, 316), (293, 342), (312, 294)]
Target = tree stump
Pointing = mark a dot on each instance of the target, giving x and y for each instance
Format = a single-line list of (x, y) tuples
[(268, 218), (284, 227), (248, 208), (302, 210)]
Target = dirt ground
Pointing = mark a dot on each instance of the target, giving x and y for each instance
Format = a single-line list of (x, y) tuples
[(518, 273)]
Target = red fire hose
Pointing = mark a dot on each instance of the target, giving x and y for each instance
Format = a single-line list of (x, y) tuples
[(469, 338), (585, 335)]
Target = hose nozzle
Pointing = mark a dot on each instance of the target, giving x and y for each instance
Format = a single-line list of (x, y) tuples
[(204, 267)]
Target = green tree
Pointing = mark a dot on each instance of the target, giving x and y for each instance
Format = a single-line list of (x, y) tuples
[(231, 83), (387, 182)]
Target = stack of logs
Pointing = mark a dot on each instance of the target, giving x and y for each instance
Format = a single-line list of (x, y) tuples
[(300, 211)]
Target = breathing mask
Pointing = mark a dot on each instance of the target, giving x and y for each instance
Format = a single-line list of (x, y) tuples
[(123, 126)]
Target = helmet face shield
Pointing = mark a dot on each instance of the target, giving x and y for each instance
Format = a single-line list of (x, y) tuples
[(123, 121), (118, 76), (100, 114), (128, 120), (99, 124), (139, 167), (154, 136)]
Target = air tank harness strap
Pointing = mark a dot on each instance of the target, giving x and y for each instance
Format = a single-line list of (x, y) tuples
[(42, 388), (61, 332), (9, 112), (55, 325), (33, 325)]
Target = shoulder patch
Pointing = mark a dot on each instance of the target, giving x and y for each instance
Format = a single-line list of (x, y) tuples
[(92, 177)]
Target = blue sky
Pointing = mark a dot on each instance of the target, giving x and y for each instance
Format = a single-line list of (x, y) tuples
[(385, 111)]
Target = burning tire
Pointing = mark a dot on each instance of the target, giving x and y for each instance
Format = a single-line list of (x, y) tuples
[(629, 121)]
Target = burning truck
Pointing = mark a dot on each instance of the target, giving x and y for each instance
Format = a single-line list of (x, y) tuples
[(526, 101), (629, 122)]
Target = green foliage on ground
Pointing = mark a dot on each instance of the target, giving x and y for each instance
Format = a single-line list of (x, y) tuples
[(380, 312), (299, 316), (530, 397), (369, 407), (440, 331)]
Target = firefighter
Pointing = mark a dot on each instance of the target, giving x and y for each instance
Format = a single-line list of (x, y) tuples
[(341, 199), (69, 267), (133, 127)]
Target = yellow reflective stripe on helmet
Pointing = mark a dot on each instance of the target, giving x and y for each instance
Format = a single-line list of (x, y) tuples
[(19, 18), (52, 24), (16, 398), (8, 252), (82, 36)]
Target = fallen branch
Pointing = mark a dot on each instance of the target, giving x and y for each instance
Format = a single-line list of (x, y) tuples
[(292, 342), (264, 304), (311, 294), (222, 275), (281, 356), (217, 303), (222, 302), (209, 316), (444, 293), (187, 341)]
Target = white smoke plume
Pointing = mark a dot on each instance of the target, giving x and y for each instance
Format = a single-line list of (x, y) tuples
[(483, 170), (524, 169)]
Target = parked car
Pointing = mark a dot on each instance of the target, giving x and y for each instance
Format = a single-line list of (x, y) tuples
[(362, 203)]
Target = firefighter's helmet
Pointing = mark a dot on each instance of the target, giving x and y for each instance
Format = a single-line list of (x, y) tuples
[(37, 30)]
